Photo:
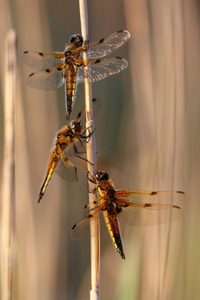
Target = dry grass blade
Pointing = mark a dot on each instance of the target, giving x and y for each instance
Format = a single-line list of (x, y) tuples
[(91, 156), (8, 165)]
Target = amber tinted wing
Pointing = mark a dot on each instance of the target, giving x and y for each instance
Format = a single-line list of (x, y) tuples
[(106, 45), (102, 68), (48, 79), (148, 208), (41, 61)]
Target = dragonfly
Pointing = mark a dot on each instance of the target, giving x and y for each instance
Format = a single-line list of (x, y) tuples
[(127, 206), (58, 68), (69, 141)]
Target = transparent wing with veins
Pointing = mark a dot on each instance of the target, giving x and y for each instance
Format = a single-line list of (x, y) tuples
[(102, 68), (41, 61), (106, 45), (49, 79)]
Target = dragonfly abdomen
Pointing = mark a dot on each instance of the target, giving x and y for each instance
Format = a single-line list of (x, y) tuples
[(70, 89), (52, 165), (111, 220)]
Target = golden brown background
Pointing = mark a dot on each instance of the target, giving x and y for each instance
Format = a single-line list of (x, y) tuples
[(147, 136)]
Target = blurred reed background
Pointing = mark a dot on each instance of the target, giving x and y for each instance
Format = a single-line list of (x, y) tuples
[(147, 136)]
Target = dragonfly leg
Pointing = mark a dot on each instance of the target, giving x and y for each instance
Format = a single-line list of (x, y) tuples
[(77, 155), (85, 136), (91, 180)]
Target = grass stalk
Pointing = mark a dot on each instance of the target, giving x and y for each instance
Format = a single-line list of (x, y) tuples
[(91, 156), (8, 193)]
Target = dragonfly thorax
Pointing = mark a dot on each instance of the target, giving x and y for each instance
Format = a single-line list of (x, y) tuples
[(68, 58), (111, 194)]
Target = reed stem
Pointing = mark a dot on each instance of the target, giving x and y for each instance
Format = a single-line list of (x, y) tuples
[(8, 186), (91, 157)]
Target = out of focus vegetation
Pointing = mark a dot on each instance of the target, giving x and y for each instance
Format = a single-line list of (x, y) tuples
[(147, 138)]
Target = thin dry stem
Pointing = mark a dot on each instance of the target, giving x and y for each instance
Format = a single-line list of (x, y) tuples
[(91, 156), (8, 165)]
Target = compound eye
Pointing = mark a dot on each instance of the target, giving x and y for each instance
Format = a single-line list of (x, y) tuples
[(76, 39), (105, 176), (76, 126), (72, 39), (79, 40), (96, 177)]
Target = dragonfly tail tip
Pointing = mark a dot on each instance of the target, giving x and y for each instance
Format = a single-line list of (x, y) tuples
[(40, 197)]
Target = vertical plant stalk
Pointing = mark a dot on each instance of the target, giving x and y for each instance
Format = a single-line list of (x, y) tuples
[(8, 165), (91, 157)]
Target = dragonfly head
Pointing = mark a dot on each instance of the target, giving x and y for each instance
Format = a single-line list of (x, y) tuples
[(76, 126), (76, 39), (101, 175)]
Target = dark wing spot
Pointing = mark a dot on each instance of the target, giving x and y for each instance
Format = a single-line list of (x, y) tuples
[(31, 74), (154, 193), (59, 69), (48, 70), (119, 31), (97, 61), (89, 216), (180, 192), (41, 54), (101, 40), (73, 226), (118, 57), (175, 206), (147, 205), (85, 206), (79, 115), (25, 52)]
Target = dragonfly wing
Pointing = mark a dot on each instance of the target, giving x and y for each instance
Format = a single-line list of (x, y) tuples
[(66, 170), (41, 61), (81, 230), (108, 44), (49, 79), (146, 213), (102, 68)]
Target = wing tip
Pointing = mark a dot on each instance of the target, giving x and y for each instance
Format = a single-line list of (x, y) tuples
[(126, 32)]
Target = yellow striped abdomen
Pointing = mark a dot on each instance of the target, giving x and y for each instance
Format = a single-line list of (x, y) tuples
[(110, 216), (70, 88), (53, 161)]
